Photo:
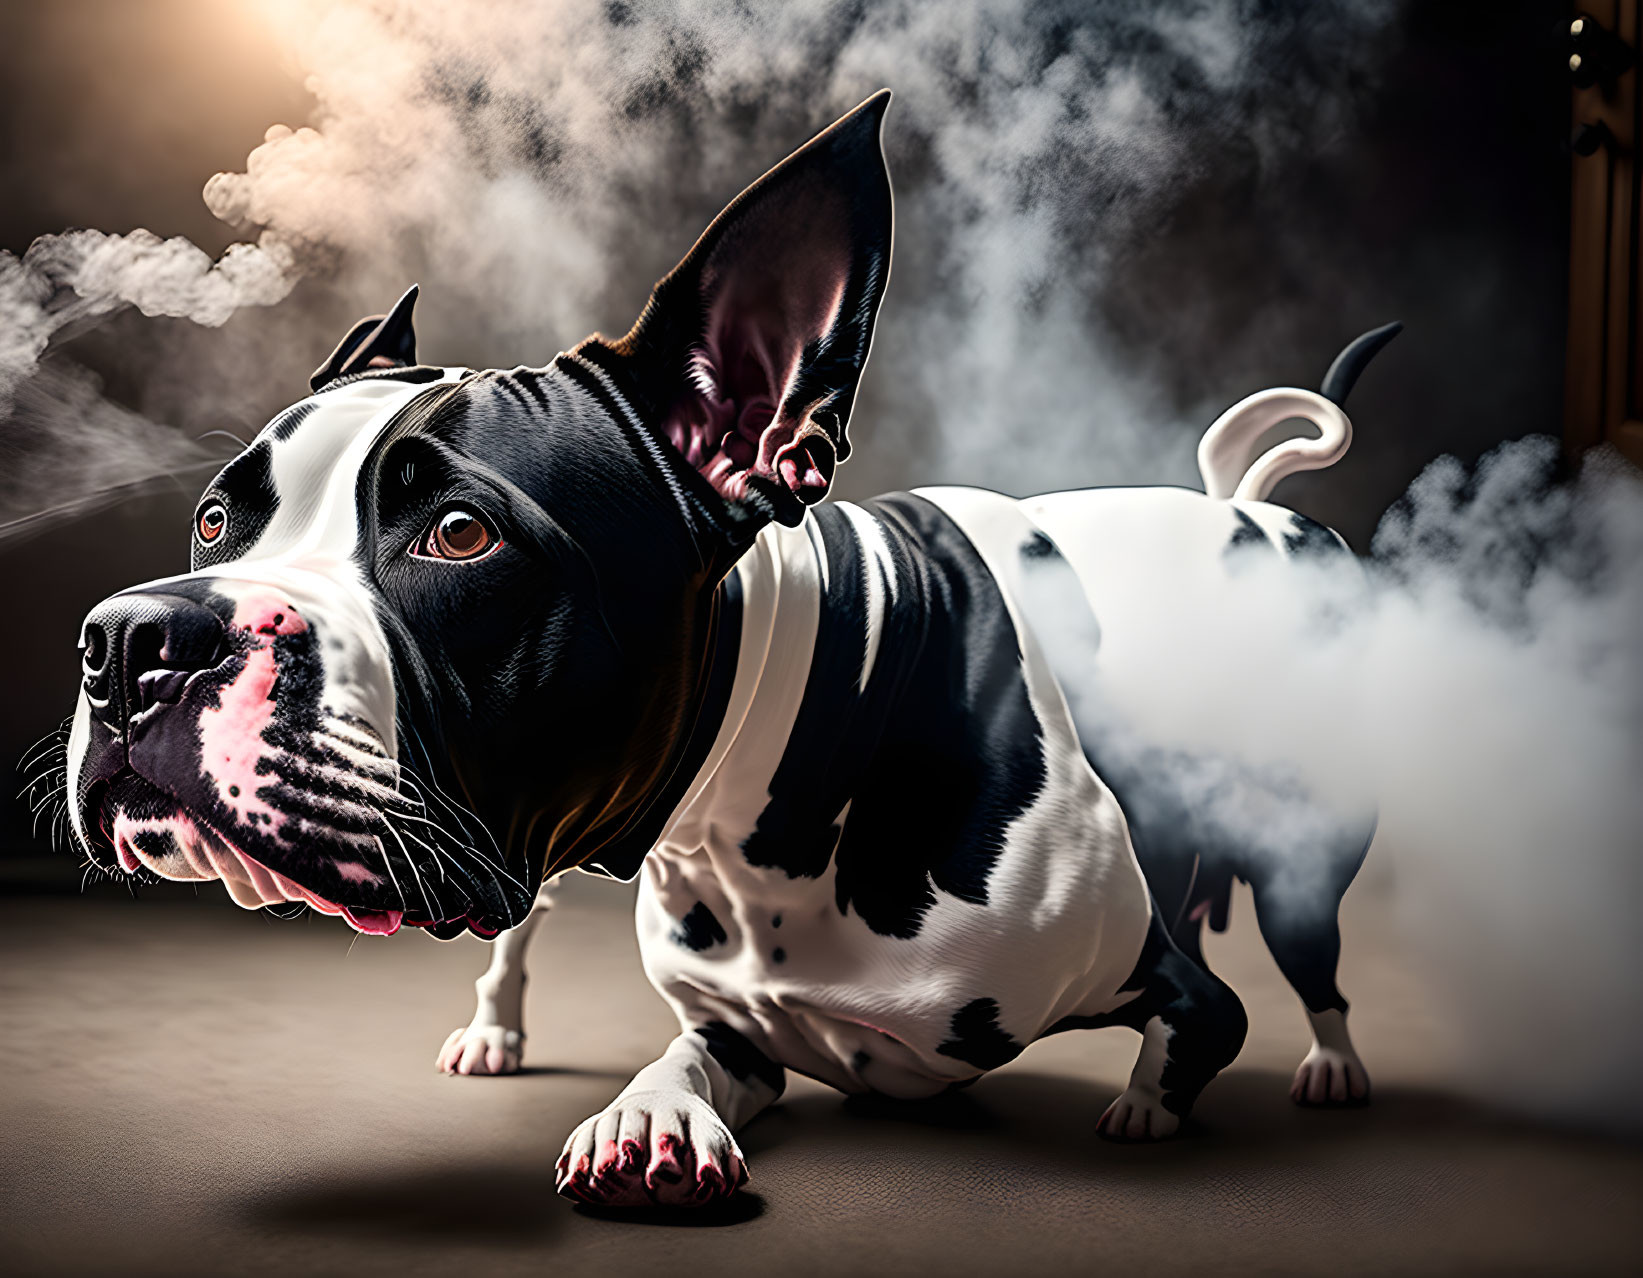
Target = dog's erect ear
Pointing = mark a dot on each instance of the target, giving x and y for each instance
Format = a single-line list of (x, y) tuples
[(748, 354), (377, 341)]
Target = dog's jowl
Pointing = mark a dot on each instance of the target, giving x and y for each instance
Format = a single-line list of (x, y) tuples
[(449, 633)]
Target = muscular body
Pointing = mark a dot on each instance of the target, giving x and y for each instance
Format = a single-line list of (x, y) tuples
[(898, 865)]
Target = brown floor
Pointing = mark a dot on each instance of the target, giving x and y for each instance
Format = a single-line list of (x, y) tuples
[(190, 1089)]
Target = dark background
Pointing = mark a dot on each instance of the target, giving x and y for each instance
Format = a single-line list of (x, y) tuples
[(1446, 207)]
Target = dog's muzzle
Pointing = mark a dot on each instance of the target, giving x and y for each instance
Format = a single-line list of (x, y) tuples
[(213, 741)]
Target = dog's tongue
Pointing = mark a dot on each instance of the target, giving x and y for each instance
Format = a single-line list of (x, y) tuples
[(376, 922)]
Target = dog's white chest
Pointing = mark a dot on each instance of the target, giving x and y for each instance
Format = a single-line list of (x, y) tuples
[(787, 961)]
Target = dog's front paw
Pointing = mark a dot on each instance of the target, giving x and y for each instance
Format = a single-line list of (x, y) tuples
[(652, 1149), (1330, 1076), (1137, 1115), (482, 1049)]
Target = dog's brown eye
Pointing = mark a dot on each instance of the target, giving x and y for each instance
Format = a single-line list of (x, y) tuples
[(459, 534), (210, 522)]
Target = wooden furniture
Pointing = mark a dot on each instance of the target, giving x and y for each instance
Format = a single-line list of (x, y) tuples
[(1604, 379)]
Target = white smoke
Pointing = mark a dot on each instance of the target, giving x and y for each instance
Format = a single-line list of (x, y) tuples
[(65, 449), (537, 173), (1480, 686), (65, 281), (536, 167), (82, 451), (1502, 696)]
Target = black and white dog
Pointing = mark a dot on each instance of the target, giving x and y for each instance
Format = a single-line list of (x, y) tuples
[(448, 634)]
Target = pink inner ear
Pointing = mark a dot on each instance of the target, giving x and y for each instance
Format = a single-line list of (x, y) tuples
[(773, 287)]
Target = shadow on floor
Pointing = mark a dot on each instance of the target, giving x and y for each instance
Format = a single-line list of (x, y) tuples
[(737, 1210), (1244, 1120), (1243, 1117), (476, 1203)]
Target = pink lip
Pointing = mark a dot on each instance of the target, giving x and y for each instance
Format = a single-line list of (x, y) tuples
[(374, 922), (371, 922), (218, 858)]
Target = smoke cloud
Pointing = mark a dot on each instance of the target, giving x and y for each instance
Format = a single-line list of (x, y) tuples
[(1478, 685), (1502, 699), (537, 167), (66, 449)]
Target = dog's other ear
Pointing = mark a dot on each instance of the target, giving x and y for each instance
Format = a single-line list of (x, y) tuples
[(377, 341), (748, 354)]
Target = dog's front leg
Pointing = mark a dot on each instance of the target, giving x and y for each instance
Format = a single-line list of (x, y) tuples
[(666, 1140), (494, 1041)]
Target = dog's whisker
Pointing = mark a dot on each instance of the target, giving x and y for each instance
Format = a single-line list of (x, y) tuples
[(38, 781), (388, 864), (451, 852), (435, 857), (497, 873), (40, 806), (48, 761), (460, 812), (474, 889), (43, 766), (496, 882), (444, 850), (46, 776), (495, 865), (225, 434), (410, 861), (57, 738)]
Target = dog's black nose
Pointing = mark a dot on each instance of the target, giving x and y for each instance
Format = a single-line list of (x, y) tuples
[(139, 649)]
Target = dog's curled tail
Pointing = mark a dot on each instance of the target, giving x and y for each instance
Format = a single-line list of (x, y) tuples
[(1226, 453)]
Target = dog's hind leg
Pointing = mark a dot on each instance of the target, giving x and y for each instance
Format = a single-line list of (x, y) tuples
[(1297, 914), (666, 1140), (494, 1041), (1208, 903), (1192, 1026)]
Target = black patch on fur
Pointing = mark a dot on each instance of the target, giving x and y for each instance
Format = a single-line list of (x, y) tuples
[(416, 374), (796, 831), (156, 843), (246, 489), (1309, 539), (1050, 599), (741, 1060), (778, 955), (1205, 1019), (976, 1037), (285, 425), (936, 756), (699, 930), (1247, 533)]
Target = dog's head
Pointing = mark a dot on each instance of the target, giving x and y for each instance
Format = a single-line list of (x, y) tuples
[(445, 630)]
